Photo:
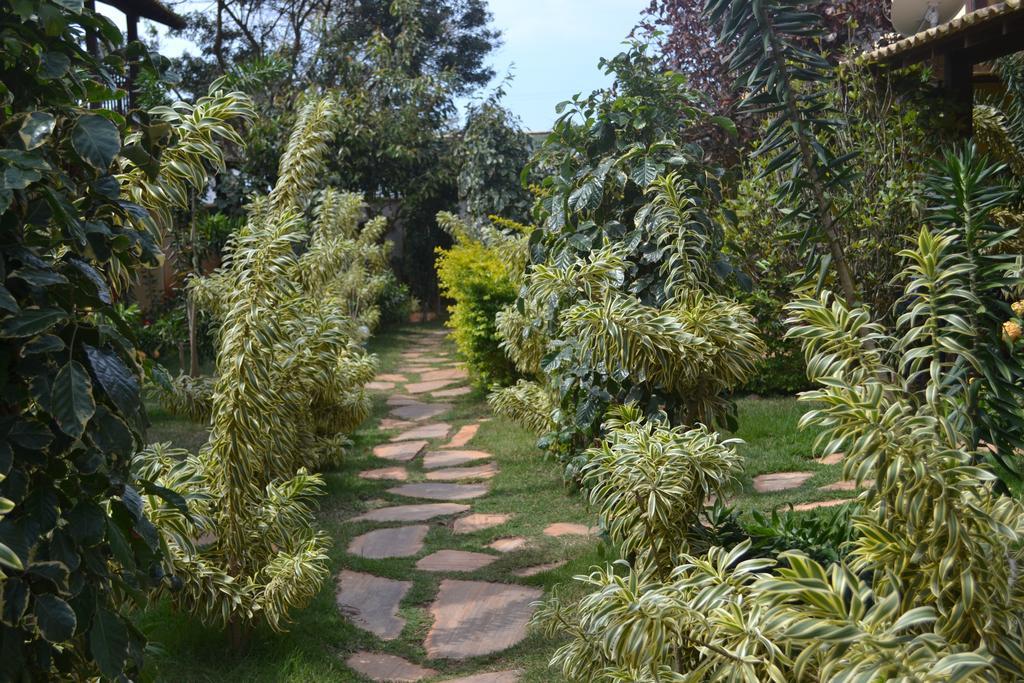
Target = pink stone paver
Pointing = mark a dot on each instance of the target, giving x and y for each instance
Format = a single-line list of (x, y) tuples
[(450, 374), (568, 529), (455, 561), (478, 521), (539, 568), (847, 485), (802, 507), (448, 458), (380, 386), (437, 430), (384, 668), (371, 602), (411, 513), (401, 400), (386, 473), (451, 393), (402, 541), (474, 618), (391, 377), (420, 411), (490, 677), (832, 459), (424, 387), (780, 481), (485, 471), (508, 545), (463, 436), (389, 423), (436, 491), (403, 451)]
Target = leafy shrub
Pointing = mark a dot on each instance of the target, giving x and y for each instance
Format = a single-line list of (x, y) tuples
[(491, 154), (76, 546), (294, 302), (929, 588), (622, 301), (396, 302), (480, 273)]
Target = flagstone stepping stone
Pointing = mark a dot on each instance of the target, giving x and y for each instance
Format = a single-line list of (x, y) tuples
[(437, 430), (420, 411), (847, 485), (414, 369), (384, 668), (780, 481), (832, 459), (435, 491), (424, 387), (399, 541), (540, 568), (400, 400), (475, 618), (451, 393), (490, 677), (389, 423), (478, 521), (803, 507), (568, 529), (371, 602), (432, 360), (386, 473), (411, 513), (403, 451), (508, 545), (448, 458), (454, 561), (379, 386), (485, 471), (391, 377), (450, 373), (463, 436)]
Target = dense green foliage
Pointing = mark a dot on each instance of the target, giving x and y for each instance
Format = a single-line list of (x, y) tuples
[(294, 301), (621, 301), (83, 192), (481, 273), (491, 155)]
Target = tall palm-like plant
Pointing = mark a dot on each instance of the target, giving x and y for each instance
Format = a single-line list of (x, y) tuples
[(293, 302)]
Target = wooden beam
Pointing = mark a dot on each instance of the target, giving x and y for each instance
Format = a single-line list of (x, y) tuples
[(958, 74), (132, 21)]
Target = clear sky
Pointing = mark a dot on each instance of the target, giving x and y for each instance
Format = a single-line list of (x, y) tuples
[(551, 47)]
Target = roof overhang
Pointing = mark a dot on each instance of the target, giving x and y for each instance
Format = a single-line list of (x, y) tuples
[(154, 10), (978, 36)]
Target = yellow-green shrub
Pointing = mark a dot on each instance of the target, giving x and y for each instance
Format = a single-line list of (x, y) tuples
[(479, 274)]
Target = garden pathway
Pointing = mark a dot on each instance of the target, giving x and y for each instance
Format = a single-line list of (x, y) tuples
[(433, 466)]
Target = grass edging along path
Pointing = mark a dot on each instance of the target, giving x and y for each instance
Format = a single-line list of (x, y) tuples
[(321, 639), (526, 486)]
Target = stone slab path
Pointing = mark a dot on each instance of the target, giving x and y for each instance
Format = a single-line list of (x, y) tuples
[(371, 602), (474, 618), (462, 618)]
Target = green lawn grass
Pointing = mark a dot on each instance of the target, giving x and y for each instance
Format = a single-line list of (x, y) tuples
[(317, 643)]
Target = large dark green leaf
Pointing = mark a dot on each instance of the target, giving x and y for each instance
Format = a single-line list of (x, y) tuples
[(30, 434), (36, 129), (72, 401), (97, 140), (108, 642), (55, 618), (31, 322), (53, 65), (645, 172), (116, 380)]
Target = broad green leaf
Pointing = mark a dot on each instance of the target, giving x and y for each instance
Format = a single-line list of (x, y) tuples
[(115, 378), (108, 642), (97, 140), (55, 618), (36, 129), (31, 322), (72, 401), (9, 558), (53, 65), (645, 172)]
